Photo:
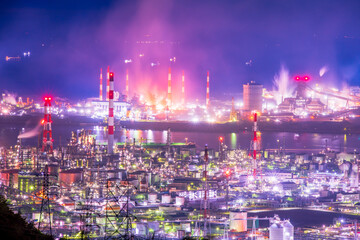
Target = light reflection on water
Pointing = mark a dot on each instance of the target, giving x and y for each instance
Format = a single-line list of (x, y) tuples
[(268, 140)]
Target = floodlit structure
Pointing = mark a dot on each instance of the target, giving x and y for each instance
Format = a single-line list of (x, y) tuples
[(238, 221)]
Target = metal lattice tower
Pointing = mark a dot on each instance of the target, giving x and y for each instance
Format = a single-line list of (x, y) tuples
[(87, 214), (45, 203), (47, 143), (118, 222)]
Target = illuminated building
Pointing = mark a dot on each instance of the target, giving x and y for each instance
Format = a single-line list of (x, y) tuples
[(252, 97), (30, 182), (120, 108), (299, 105)]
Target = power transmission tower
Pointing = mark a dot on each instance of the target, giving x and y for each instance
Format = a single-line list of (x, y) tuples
[(118, 218), (45, 210)]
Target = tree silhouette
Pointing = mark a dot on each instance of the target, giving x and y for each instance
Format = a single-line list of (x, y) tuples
[(13, 226)]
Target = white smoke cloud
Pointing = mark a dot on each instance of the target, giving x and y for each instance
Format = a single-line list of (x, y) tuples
[(10, 98), (323, 70), (284, 87), (32, 133)]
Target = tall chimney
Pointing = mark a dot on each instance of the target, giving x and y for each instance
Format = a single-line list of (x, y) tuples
[(111, 114), (183, 89), (107, 84), (207, 91), (169, 89), (127, 85), (101, 86)]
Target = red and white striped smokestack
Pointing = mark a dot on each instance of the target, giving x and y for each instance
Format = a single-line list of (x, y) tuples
[(207, 90), (183, 89), (107, 84), (255, 144), (169, 89), (111, 114), (101, 85), (127, 85)]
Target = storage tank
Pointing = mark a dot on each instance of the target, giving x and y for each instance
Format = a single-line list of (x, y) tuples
[(53, 169), (179, 201), (288, 230), (192, 167), (165, 199), (276, 232), (141, 229), (180, 234), (186, 227), (238, 221), (68, 177), (152, 197)]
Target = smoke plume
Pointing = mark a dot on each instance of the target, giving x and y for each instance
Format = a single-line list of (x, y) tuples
[(283, 85), (31, 133)]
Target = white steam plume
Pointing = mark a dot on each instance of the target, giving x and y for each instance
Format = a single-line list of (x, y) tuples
[(323, 70), (32, 133), (284, 88)]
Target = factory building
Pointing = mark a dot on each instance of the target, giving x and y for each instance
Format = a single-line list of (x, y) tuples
[(300, 105), (252, 97), (30, 182), (120, 108)]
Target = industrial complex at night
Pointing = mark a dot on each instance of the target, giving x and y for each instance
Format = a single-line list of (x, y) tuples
[(177, 120)]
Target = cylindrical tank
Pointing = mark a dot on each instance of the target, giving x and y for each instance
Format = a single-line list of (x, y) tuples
[(288, 231), (179, 201), (238, 221), (68, 177), (152, 197), (192, 167), (165, 199), (180, 234), (53, 169), (276, 232), (186, 227)]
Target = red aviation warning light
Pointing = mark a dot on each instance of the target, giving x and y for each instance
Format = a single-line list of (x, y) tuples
[(221, 139), (227, 172), (299, 78)]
